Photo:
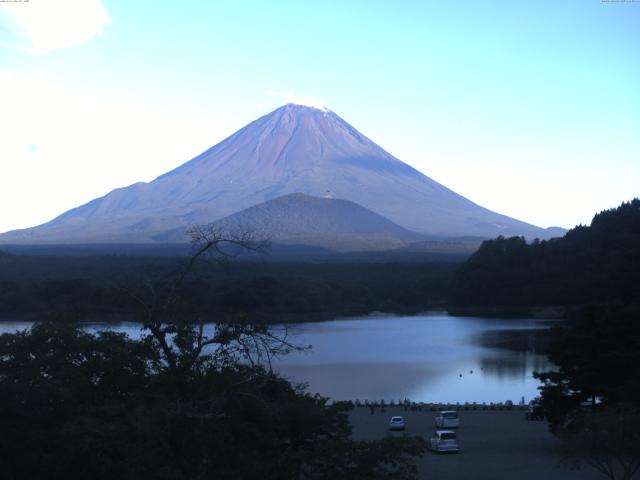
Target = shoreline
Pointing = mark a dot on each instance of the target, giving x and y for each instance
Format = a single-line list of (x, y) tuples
[(436, 406), (548, 312), (538, 313)]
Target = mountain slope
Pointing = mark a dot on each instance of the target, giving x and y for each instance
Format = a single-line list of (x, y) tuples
[(293, 149), (322, 222)]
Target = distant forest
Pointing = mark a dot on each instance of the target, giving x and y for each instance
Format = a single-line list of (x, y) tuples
[(590, 264), (101, 288)]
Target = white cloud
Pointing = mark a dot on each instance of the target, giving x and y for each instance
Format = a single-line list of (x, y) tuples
[(289, 97), (39, 26)]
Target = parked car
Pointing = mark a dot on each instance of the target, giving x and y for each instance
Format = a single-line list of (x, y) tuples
[(447, 419), (444, 441), (396, 423)]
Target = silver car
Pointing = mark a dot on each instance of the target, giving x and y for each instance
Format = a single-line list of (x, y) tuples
[(444, 441), (447, 419)]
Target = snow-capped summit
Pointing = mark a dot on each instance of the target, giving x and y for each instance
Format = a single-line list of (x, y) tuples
[(292, 98), (311, 104)]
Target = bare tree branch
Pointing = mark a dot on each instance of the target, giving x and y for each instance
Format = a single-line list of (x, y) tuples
[(184, 344)]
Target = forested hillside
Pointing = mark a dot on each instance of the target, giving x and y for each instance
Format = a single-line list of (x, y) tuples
[(99, 288), (590, 264)]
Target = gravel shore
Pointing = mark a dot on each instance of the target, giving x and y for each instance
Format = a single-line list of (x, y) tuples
[(494, 445)]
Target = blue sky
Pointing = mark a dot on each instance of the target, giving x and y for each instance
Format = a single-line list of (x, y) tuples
[(531, 109)]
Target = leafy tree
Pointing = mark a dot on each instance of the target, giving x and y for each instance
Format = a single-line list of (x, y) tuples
[(63, 396), (609, 442), (592, 400), (597, 357)]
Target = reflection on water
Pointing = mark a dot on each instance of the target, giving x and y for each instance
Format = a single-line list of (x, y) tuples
[(519, 351), (425, 358), (513, 365), (520, 340), (430, 358)]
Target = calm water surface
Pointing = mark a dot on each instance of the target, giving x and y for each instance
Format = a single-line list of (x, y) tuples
[(430, 358)]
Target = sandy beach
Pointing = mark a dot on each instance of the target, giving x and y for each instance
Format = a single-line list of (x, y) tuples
[(494, 445)]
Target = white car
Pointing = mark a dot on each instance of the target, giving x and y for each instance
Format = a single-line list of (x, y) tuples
[(447, 419), (396, 423), (444, 441)]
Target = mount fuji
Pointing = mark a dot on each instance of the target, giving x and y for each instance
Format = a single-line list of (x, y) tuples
[(294, 149)]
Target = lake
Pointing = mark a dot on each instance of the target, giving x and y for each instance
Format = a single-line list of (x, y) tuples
[(428, 358)]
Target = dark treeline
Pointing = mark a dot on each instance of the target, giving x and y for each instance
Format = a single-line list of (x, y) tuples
[(593, 264), (99, 287), (590, 264)]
